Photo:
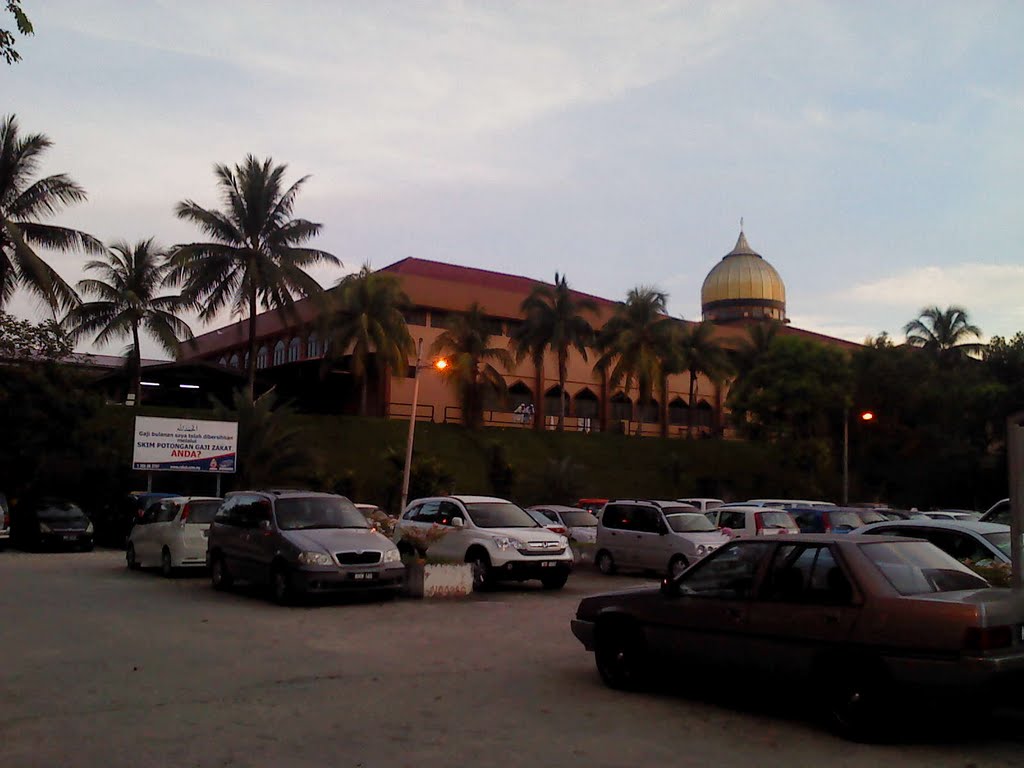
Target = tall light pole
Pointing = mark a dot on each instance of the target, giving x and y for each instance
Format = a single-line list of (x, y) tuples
[(1015, 450), (440, 365), (865, 416)]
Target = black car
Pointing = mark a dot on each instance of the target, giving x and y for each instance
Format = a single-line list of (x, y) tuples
[(51, 523), (115, 521)]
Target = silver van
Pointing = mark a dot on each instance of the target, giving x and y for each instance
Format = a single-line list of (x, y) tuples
[(662, 536)]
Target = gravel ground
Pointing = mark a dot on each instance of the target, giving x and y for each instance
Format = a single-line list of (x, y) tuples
[(104, 667)]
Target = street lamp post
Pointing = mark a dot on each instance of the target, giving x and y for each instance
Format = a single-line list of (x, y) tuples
[(865, 416), (440, 365)]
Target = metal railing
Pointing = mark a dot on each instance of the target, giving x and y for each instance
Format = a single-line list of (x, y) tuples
[(424, 411)]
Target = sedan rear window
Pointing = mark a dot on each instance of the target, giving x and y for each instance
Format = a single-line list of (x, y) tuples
[(1000, 540), (202, 511), (777, 520), (920, 568), (845, 521), (579, 519)]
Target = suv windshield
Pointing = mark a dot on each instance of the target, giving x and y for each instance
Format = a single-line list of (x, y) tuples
[(870, 516), (499, 514), (202, 511), (692, 522), (579, 519), (296, 514), (920, 568)]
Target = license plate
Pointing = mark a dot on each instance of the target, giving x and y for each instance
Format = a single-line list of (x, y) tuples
[(548, 564), (69, 537), (363, 576)]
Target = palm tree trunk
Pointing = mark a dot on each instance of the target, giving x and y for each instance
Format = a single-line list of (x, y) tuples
[(693, 399), (562, 375), (135, 363), (538, 386), (663, 405), (363, 393), (250, 369)]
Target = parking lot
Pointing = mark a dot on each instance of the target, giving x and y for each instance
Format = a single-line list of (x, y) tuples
[(104, 667)]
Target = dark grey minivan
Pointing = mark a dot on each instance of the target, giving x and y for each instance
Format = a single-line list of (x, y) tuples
[(299, 542)]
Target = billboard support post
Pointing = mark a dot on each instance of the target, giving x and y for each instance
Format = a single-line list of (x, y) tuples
[(1015, 455), (149, 482)]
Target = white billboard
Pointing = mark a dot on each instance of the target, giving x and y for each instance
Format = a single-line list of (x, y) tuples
[(185, 445)]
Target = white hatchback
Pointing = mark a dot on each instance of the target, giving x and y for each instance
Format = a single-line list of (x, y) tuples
[(172, 533), (749, 520)]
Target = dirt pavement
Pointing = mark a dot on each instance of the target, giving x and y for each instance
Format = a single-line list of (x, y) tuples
[(102, 667)]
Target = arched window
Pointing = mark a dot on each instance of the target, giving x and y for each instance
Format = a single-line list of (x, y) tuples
[(261, 357), (677, 411), (294, 347), (313, 346), (704, 414), (649, 412), (622, 407), (585, 404), (551, 402), (519, 394), (233, 362), (279, 353)]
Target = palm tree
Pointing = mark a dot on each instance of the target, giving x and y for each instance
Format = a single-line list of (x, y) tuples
[(943, 333), (759, 338), (553, 320), (701, 353), (368, 324), (465, 344), (637, 342), (126, 303), (255, 256), (22, 203)]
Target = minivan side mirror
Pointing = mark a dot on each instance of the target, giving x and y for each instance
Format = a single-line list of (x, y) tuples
[(458, 522)]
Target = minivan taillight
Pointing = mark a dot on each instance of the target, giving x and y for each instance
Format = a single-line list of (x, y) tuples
[(987, 638), (184, 513), (758, 523)]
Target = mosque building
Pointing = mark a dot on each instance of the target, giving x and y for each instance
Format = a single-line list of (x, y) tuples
[(741, 289)]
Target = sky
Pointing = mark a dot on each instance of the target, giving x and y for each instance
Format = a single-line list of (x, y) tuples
[(873, 149)]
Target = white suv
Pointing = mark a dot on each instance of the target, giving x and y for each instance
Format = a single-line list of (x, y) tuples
[(496, 536)]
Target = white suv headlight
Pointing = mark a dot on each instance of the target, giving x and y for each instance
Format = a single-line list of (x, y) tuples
[(701, 550), (563, 541), (314, 558), (520, 545), (392, 556), (503, 542)]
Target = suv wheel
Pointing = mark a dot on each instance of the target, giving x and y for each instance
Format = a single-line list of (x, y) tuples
[(677, 566), (281, 586), (619, 653), (129, 556), (166, 564), (604, 562), (220, 576), (481, 571)]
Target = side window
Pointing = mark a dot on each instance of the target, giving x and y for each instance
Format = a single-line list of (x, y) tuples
[(729, 573), (810, 522), (168, 510), (411, 512), (619, 516), (428, 512), (807, 574), (646, 520), (150, 515), (446, 510), (552, 516)]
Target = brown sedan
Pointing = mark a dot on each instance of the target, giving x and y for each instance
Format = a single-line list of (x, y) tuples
[(864, 619)]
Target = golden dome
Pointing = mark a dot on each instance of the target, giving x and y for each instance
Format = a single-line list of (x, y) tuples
[(743, 285)]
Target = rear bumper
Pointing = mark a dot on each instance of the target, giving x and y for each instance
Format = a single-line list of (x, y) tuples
[(998, 676), (59, 539), (390, 578)]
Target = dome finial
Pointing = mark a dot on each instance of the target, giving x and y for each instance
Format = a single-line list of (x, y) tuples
[(741, 225)]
